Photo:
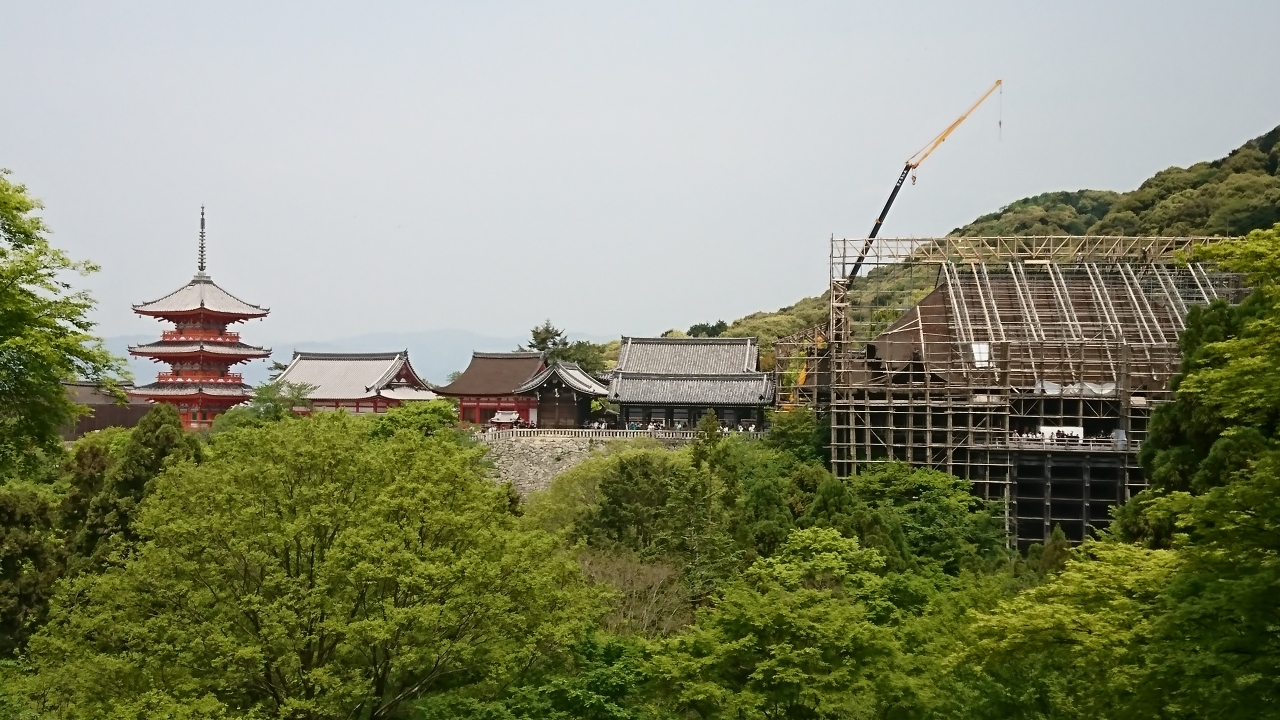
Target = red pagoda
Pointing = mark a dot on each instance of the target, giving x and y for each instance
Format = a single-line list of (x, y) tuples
[(199, 350)]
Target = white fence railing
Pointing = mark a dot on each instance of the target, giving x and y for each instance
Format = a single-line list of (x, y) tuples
[(684, 435)]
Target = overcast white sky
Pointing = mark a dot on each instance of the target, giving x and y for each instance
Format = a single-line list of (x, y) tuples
[(619, 168)]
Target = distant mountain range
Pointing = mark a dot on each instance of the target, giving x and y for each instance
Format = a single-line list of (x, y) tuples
[(434, 353)]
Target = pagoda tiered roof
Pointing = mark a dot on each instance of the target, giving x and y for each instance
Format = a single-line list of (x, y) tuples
[(166, 348), (193, 389), (199, 350), (201, 294)]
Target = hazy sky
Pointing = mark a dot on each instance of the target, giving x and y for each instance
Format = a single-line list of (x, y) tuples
[(617, 167)]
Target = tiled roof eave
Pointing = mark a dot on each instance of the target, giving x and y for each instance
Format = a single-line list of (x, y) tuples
[(163, 348), (195, 297), (573, 377), (155, 390), (143, 310), (754, 389)]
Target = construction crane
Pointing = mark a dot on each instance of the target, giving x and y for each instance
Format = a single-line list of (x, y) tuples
[(913, 162)]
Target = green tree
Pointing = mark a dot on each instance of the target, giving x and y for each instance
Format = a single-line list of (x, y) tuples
[(709, 439), (799, 432), (45, 335), (588, 355), (551, 340), (545, 338), (602, 681), (917, 520), (633, 489), (29, 562), (1075, 647), (792, 639), (1050, 557), (108, 525), (272, 402), (423, 418), (309, 570), (715, 329), (694, 531), (1215, 649)]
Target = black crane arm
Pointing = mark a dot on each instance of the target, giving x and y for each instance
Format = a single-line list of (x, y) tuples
[(875, 229), (913, 162)]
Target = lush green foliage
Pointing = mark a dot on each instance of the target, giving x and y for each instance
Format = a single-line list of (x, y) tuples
[(549, 339), (45, 335), (1229, 196), (420, 418), (310, 569), (1174, 615), (272, 402), (715, 329), (332, 566)]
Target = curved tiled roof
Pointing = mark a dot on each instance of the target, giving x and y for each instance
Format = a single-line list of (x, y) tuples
[(173, 389), (186, 348), (735, 389), (200, 294), (570, 374), (354, 376), (408, 393), (494, 374), (688, 356)]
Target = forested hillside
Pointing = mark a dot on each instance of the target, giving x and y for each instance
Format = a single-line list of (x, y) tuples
[(1228, 196), (300, 566)]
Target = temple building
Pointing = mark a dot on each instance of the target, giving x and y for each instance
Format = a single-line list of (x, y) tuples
[(103, 410), (199, 350), (673, 381), (564, 393), (489, 385), (357, 382)]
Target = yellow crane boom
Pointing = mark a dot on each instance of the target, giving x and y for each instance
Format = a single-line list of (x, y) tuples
[(913, 162)]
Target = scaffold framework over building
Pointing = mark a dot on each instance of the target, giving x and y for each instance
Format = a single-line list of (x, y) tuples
[(1028, 365)]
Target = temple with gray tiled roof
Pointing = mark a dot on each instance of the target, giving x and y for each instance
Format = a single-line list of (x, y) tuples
[(357, 382), (674, 381), (564, 392)]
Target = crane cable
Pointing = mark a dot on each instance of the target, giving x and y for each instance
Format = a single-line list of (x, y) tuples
[(914, 161)]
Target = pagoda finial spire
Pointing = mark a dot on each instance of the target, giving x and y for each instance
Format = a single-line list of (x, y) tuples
[(200, 263)]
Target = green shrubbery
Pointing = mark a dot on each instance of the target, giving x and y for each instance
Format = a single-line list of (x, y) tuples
[(332, 566)]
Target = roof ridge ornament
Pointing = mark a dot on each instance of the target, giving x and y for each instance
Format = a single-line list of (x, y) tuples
[(200, 263)]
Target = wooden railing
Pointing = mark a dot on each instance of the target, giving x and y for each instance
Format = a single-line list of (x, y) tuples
[(199, 335), (683, 435), (1071, 445)]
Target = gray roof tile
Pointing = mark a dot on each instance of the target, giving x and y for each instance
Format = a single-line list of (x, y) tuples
[(351, 376), (200, 294), (651, 389), (688, 356), (570, 374), (182, 348)]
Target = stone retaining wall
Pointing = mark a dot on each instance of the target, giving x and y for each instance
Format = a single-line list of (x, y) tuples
[(529, 463)]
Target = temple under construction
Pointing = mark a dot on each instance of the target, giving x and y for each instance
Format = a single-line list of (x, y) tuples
[(1028, 365)]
